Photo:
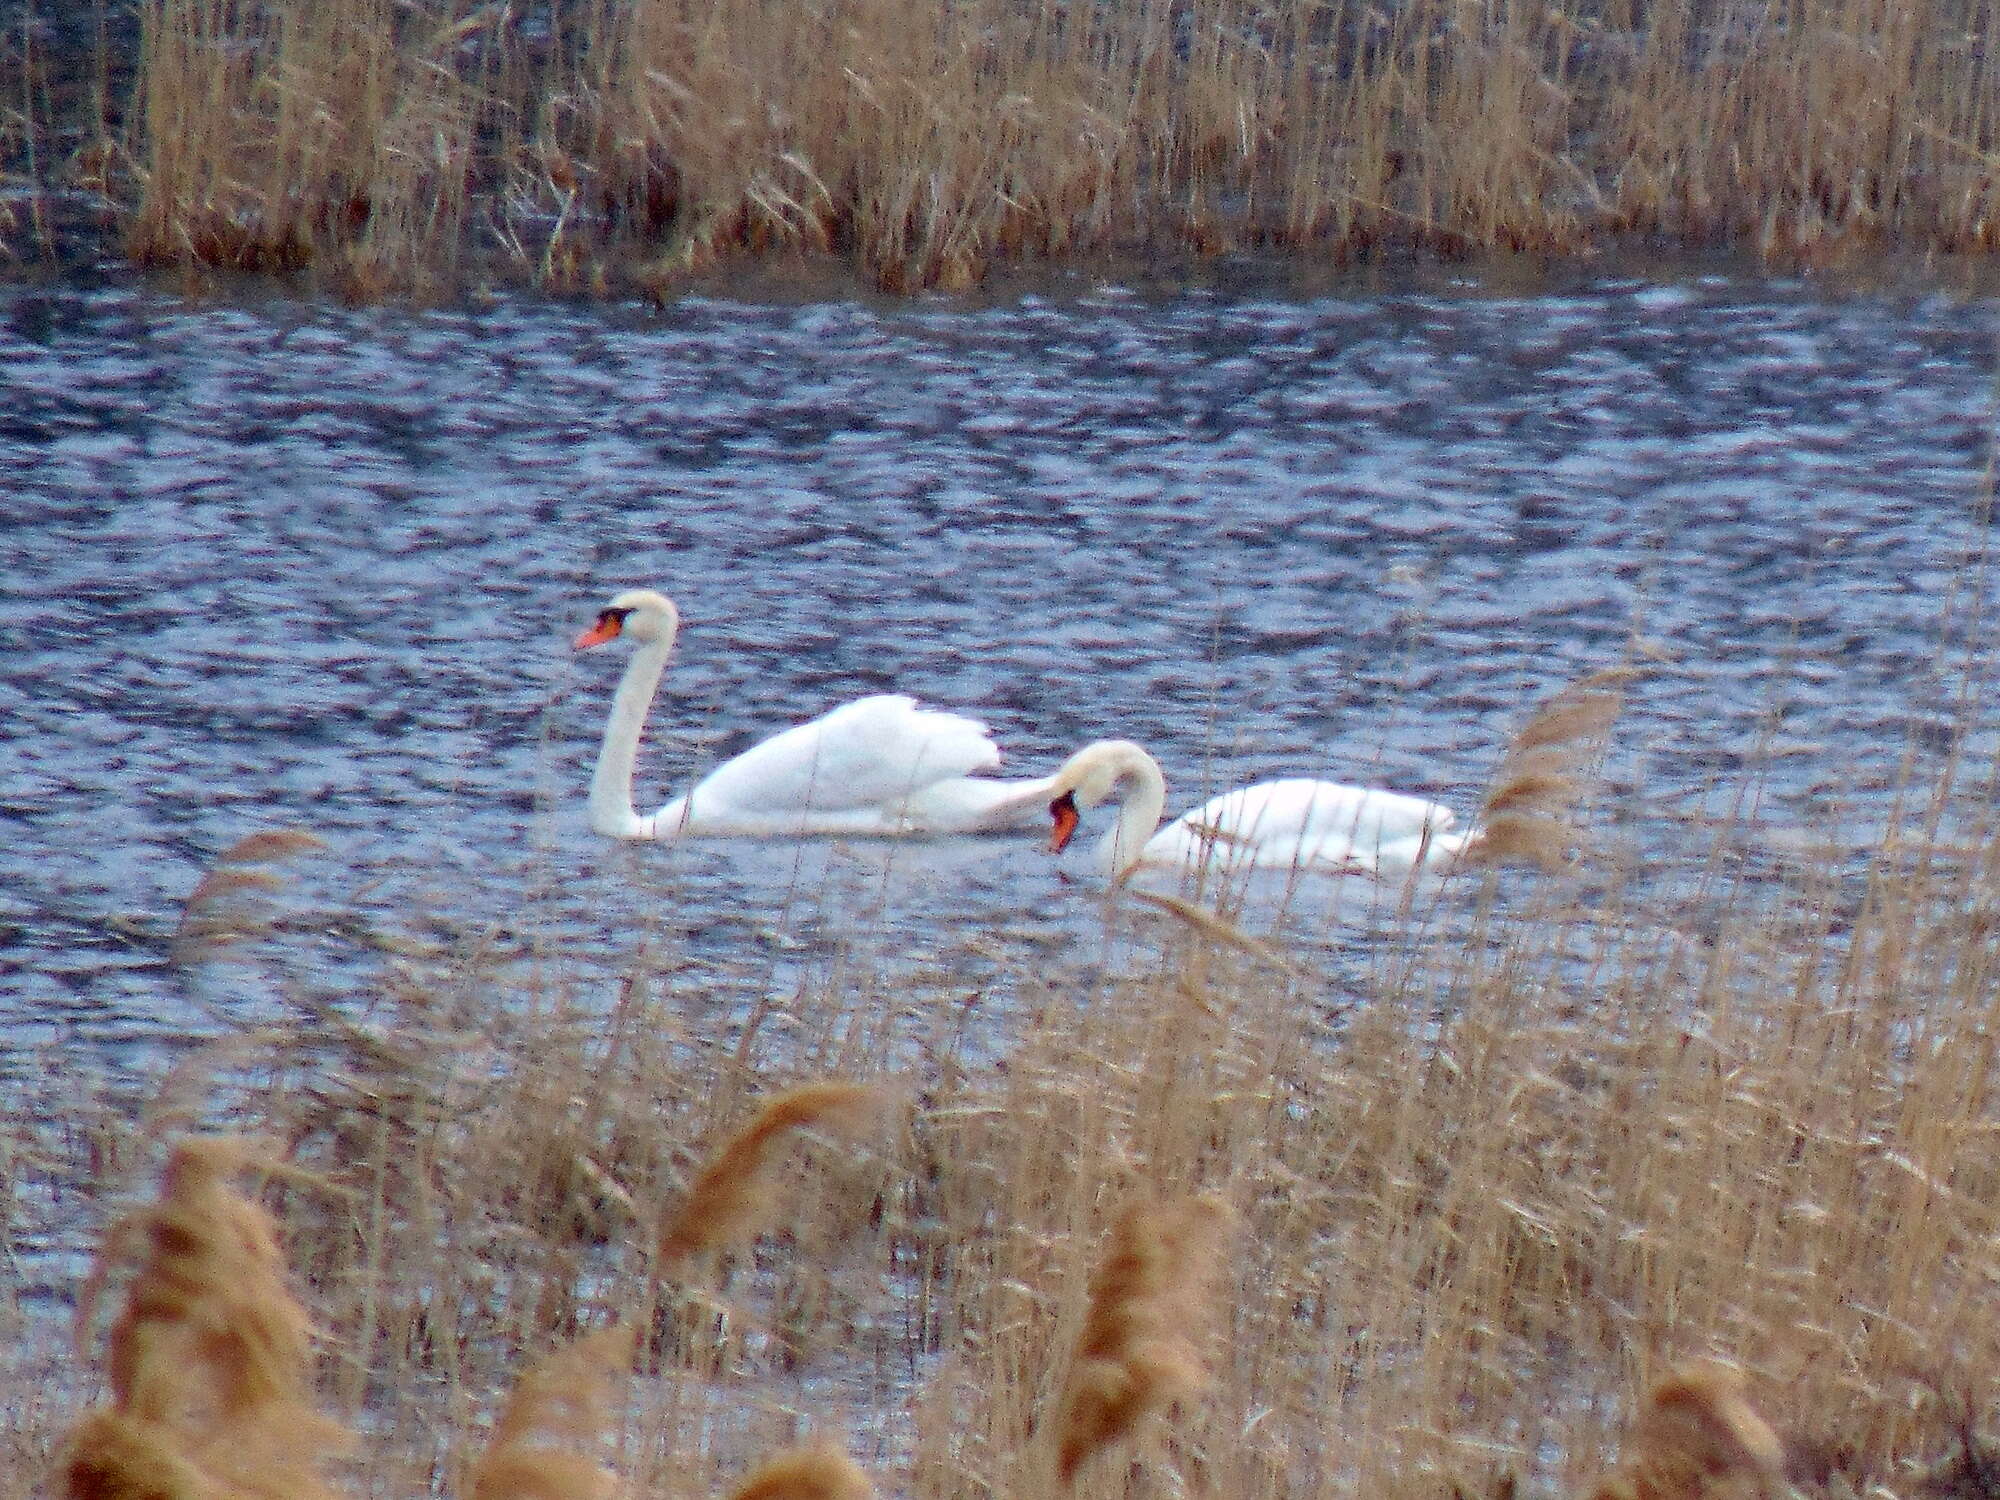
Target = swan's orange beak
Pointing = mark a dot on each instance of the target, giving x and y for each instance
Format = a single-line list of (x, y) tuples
[(609, 623), (1063, 810)]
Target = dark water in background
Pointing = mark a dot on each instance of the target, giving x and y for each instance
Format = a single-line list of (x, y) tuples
[(292, 565)]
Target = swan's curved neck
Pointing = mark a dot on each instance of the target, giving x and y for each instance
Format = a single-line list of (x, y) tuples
[(1140, 809), (611, 810)]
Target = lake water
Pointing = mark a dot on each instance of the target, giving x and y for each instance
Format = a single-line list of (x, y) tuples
[(280, 564)]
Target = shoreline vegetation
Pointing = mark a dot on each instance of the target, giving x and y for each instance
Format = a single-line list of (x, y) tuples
[(407, 148), (1674, 1191)]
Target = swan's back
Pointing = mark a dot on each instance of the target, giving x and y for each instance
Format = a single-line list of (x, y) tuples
[(1305, 824), (851, 770)]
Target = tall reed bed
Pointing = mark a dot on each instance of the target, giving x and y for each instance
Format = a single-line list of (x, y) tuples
[(1213, 1224), (609, 143)]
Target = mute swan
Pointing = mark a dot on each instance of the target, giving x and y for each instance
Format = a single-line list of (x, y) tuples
[(877, 766), (1294, 824)]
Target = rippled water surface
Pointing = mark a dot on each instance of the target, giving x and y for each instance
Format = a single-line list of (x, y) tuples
[(291, 565)]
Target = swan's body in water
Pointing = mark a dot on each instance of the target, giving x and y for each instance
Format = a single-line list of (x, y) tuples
[(1296, 824), (879, 766)]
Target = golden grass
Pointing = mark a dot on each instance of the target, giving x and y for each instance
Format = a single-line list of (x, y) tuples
[(1493, 1177), (1140, 1349), (560, 1401), (630, 145), (208, 1360), (1529, 813), (733, 1194), (820, 1472), (1699, 1439), (222, 911)]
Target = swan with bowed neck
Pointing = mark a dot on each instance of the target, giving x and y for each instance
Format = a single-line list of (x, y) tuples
[(880, 766), (1294, 824)]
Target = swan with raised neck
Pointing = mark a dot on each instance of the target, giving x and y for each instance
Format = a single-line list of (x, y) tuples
[(650, 621), (879, 766)]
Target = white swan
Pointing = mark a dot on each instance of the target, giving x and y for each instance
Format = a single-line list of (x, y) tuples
[(878, 766), (1293, 824)]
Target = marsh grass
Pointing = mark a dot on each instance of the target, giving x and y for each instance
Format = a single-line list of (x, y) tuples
[(819, 1472), (207, 1360), (558, 1407), (1640, 1179), (1140, 1351), (1698, 1435), (735, 1192), (602, 145)]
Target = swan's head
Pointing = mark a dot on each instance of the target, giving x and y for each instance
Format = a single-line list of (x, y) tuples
[(1096, 774), (642, 614)]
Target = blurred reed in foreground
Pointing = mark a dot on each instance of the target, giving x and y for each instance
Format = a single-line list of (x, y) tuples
[(1139, 1351), (604, 145), (208, 1361)]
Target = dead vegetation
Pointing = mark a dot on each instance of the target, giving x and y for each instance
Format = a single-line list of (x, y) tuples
[(559, 1404), (1530, 812), (734, 1191), (1140, 1351), (819, 1472), (1698, 1438), (208, 1360), (1502, 1178), (593, 146)]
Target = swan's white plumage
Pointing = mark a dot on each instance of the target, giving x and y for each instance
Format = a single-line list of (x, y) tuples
[(1321, 827), (879, 766), (1297, 823)]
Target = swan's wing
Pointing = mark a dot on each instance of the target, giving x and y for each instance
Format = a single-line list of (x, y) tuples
[(1298, 822), (873, 753), (978, 804)]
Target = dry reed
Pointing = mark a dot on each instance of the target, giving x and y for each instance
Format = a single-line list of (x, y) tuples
[(820, 1472), (557, 1403), (732, 1196), (1139, 1352), (222, 910), (1698, 1438), (606, 146), (1496, 1169), (1528, 813), (208, 1360)]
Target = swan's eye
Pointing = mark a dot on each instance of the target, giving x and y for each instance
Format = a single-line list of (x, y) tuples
[(1063, 810)]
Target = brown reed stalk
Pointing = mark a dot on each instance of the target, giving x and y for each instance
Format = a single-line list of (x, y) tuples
[(1528, 813), (924, 146), (208, 1359), (1217, 928), (114, 1455), (1699, 1439), (217, 915), (1138, 1353), (563, 1399), (731, 1197), (822, 1471)]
